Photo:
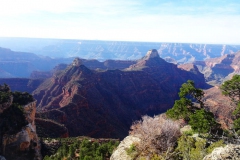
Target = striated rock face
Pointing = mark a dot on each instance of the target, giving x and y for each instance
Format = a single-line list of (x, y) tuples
[(221, 106), (105, 103), (217, 70), (229, 152), (120, 153)]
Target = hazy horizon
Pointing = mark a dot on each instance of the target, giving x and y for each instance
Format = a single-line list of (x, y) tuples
[(127, 41)]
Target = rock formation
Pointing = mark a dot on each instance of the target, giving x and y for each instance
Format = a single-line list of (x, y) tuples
[(217, 70), (105, 103), (18, 131), (228, 152), (120, 153)]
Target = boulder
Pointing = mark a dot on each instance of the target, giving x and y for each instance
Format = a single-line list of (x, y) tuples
[(225, 153), (120, 153)]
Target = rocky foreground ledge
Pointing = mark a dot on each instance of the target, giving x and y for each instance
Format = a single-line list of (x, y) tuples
[(229, 152)]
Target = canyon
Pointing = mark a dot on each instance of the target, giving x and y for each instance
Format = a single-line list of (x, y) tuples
[(104, 103)]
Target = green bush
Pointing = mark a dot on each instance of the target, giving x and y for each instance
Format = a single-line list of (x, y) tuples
[(214, 145), (22, 98), (132, 151), (194, 148), (12, 120)]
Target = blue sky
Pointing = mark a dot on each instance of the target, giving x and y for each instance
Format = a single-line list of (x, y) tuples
[(194, 21)]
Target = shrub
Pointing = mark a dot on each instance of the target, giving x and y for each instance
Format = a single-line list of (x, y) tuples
[(132, 151), (158, 135), (214, 145), (194, 148)]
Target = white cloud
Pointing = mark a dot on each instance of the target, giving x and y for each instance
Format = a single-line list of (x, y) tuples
[(13, 7), (119, 20)]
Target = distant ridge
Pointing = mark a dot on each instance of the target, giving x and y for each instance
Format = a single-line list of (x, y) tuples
[(117, 50), (217, 70)]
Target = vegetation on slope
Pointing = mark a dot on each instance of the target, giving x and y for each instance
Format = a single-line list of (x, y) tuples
[(82, 148), (22, 98), (161, 138), (5, 94), (164, 137), (12, 119), (231, 88), (12, 116)]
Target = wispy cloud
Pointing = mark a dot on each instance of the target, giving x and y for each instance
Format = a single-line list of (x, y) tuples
[(158, 20)]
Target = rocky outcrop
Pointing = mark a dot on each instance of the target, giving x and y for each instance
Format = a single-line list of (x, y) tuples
[(120, 153), (18, 136), (229, 152), (25, 143), (105, 103)]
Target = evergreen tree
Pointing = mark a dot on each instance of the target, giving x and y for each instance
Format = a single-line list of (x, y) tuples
[(191, 108), (231, 88), (202, 121), (71, 151), (185, 106)]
